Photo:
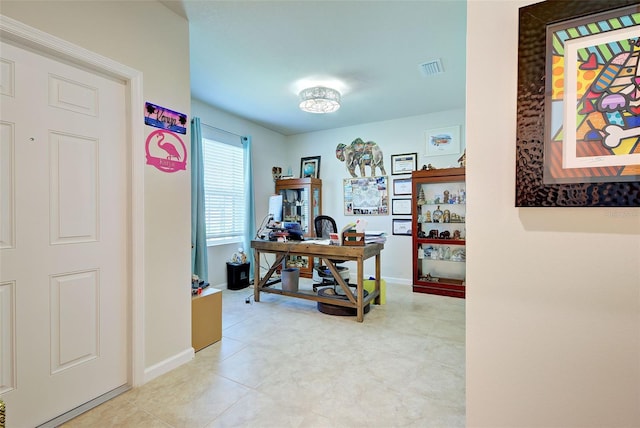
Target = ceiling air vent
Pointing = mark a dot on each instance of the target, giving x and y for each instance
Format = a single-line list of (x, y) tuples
[(430, 68)]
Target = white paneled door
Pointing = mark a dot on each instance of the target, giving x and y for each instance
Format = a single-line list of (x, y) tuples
[(63, 236)]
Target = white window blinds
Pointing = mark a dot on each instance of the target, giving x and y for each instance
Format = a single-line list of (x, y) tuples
[(224, 190)]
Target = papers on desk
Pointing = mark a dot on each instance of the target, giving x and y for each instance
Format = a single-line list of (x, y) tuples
[(370, 236), (318, 241), (375, 233), (375, 236)]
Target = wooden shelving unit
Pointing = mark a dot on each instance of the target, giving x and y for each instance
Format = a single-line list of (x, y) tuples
[(439, 246), (301, 203)]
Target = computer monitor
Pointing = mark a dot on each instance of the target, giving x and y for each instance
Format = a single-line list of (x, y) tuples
[(275, 207)]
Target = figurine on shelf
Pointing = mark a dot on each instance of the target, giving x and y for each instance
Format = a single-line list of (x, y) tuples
[(433, 234), (437, 215), (458, 255), (276, 172), (446, 216), (427, 251), (431, 278), (427, 216), (446, 197), (421, 200), (447, 253), (445, 235), (428, 167), (463, 159), (240, 257), (456, 234)]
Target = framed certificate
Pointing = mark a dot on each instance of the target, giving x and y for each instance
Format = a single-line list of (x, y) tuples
[(402, 227), (404, 163), (401, 206), (402, 186)]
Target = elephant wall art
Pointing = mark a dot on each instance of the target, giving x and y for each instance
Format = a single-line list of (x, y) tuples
[(361, 154)]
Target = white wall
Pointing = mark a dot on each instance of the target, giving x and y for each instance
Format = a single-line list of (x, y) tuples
[(406, 135), (553, 301), (150, 38), (267, 147)]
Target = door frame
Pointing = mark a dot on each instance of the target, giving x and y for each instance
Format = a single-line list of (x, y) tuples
[(15, 31)]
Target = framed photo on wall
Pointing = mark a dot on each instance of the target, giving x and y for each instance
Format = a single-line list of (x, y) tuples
[(443, 141), (310, 167), (594, 153), (404, 163), (578, 148)]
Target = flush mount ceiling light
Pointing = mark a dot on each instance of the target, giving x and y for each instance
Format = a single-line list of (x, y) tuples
[(319, 100)]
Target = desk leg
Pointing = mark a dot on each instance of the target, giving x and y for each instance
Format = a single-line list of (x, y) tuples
[(257, 280), (261, 282), (360, 297), (377, 299), (339, 280)]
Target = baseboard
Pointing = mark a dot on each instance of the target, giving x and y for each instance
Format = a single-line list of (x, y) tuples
[(169, 364), (400, 281), (66, 417)]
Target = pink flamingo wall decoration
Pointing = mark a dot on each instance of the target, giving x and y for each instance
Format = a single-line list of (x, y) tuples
[(168, 147)]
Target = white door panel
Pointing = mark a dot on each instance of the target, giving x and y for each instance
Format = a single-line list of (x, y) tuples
[(7, 185), (73, 185), (63, 236)]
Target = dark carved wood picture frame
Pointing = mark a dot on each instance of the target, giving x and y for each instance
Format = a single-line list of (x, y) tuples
[(531, 189)]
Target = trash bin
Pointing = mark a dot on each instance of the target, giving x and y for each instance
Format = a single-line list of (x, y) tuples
[(237, 276), (290, 277), (370, 285)]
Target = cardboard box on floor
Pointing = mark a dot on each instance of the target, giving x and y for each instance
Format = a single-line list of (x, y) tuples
[(206, 318)]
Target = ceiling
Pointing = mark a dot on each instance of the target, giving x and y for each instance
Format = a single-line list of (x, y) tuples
[(252, 58)]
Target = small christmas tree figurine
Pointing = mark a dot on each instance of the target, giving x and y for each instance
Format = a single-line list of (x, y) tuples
[(421, 199)]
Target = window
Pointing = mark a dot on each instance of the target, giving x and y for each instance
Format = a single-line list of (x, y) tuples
[(224, 191)]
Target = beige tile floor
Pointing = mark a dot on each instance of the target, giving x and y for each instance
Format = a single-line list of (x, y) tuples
[(282, 363)]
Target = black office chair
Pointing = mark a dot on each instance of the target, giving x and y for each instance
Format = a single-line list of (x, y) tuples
[(324, 226)]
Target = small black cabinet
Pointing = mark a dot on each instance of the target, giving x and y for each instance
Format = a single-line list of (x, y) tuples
[(237, 276)]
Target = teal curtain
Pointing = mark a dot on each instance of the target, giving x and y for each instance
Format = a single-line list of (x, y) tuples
[(250, 219), (199, 265)]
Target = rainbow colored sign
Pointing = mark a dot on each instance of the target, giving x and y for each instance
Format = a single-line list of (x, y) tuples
[(163, 118)]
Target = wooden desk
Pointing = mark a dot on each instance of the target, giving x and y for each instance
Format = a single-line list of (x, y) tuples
[(326, 253)]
